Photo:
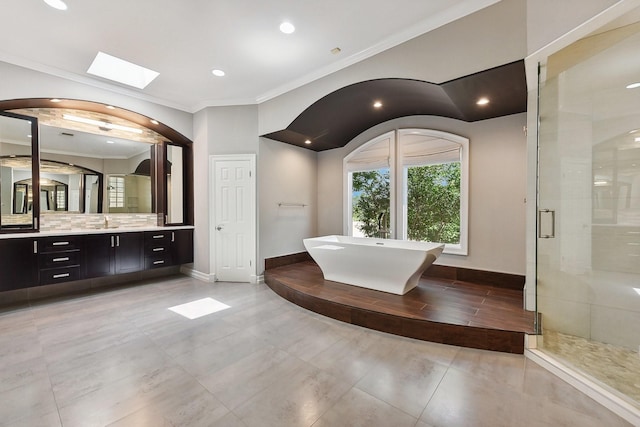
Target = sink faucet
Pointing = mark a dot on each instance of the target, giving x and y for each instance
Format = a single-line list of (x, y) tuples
[(106, 221)]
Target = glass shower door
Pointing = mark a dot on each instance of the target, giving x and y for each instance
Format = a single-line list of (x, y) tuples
[(588, 243)]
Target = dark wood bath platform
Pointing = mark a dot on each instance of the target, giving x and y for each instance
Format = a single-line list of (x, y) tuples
[(439, 310)]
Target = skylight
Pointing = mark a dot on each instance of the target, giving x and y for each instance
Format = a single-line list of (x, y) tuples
[(121, 71)]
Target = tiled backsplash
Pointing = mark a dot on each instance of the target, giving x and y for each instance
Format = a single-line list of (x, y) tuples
[(60, 221)]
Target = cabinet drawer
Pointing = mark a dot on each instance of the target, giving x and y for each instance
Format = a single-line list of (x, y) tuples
[(59, 259), (156, 250), (60, 243), (157, 238), (59, 275), (158, 261)]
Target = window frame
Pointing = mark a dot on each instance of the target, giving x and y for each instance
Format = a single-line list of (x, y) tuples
[(117, 191), (398, 184)]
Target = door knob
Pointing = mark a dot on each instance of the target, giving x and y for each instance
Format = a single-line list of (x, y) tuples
[(219, 228)]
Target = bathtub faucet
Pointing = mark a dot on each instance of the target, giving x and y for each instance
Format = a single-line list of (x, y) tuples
[(383, 232)]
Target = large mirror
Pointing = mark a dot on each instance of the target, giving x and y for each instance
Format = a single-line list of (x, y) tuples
[(86, 158), (18, 155)]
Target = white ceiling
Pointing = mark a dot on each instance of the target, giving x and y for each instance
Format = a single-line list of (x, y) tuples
[(185, 40)]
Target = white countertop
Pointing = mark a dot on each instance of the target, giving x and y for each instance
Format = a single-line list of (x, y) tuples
[(81, 231)]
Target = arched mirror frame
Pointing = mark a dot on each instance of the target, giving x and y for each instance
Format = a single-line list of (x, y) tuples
[(158, 158)]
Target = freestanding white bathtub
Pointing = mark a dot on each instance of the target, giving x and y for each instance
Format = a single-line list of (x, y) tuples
[(387, 265)]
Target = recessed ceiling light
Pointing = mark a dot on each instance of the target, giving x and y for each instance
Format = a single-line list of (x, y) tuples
[(111, 107), (336, 50), (377, 104), (482, 101), (633, 85), (287, 27), (307, 142), (108, 141), (56, 100), (218, 73), (121, 71), (155, 122), (56, 4)]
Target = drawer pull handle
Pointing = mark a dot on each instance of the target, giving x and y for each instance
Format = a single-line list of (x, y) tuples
[(60, 243), (60, 276), (158, 262), (158, 249), (61, 259), (158, 236)]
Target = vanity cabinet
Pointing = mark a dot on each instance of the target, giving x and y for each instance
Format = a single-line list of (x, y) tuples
[(59, 259), (31, 261), (108, 254), (18, 263)]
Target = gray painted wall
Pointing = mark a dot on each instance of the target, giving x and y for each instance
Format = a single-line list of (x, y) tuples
[(501, 33)]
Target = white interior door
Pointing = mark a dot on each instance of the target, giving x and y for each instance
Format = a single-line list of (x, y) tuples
[(234, 217)]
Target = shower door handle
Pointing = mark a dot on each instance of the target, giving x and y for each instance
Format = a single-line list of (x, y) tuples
[(546, 220)]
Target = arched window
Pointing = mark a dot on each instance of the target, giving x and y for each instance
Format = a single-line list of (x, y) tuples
[(409, 184)]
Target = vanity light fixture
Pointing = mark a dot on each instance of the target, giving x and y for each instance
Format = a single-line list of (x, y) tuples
[(377, 104), (121, 71), (287, 27), (482, 101), (218, 73), (100, 123), (56, 4), (633, 85)]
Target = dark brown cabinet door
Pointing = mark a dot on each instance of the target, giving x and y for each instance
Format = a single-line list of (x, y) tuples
[(18, 264), (182, 247), (129, 252), (98, 259), (108, 254)]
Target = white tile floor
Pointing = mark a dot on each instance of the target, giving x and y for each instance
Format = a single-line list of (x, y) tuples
[(121, 358)]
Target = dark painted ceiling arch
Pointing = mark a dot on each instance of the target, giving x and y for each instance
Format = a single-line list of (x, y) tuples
[(334, 120)]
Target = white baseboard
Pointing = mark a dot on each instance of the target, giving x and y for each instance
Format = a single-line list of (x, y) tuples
[(205, 277), (594, 390), (257, 279)]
